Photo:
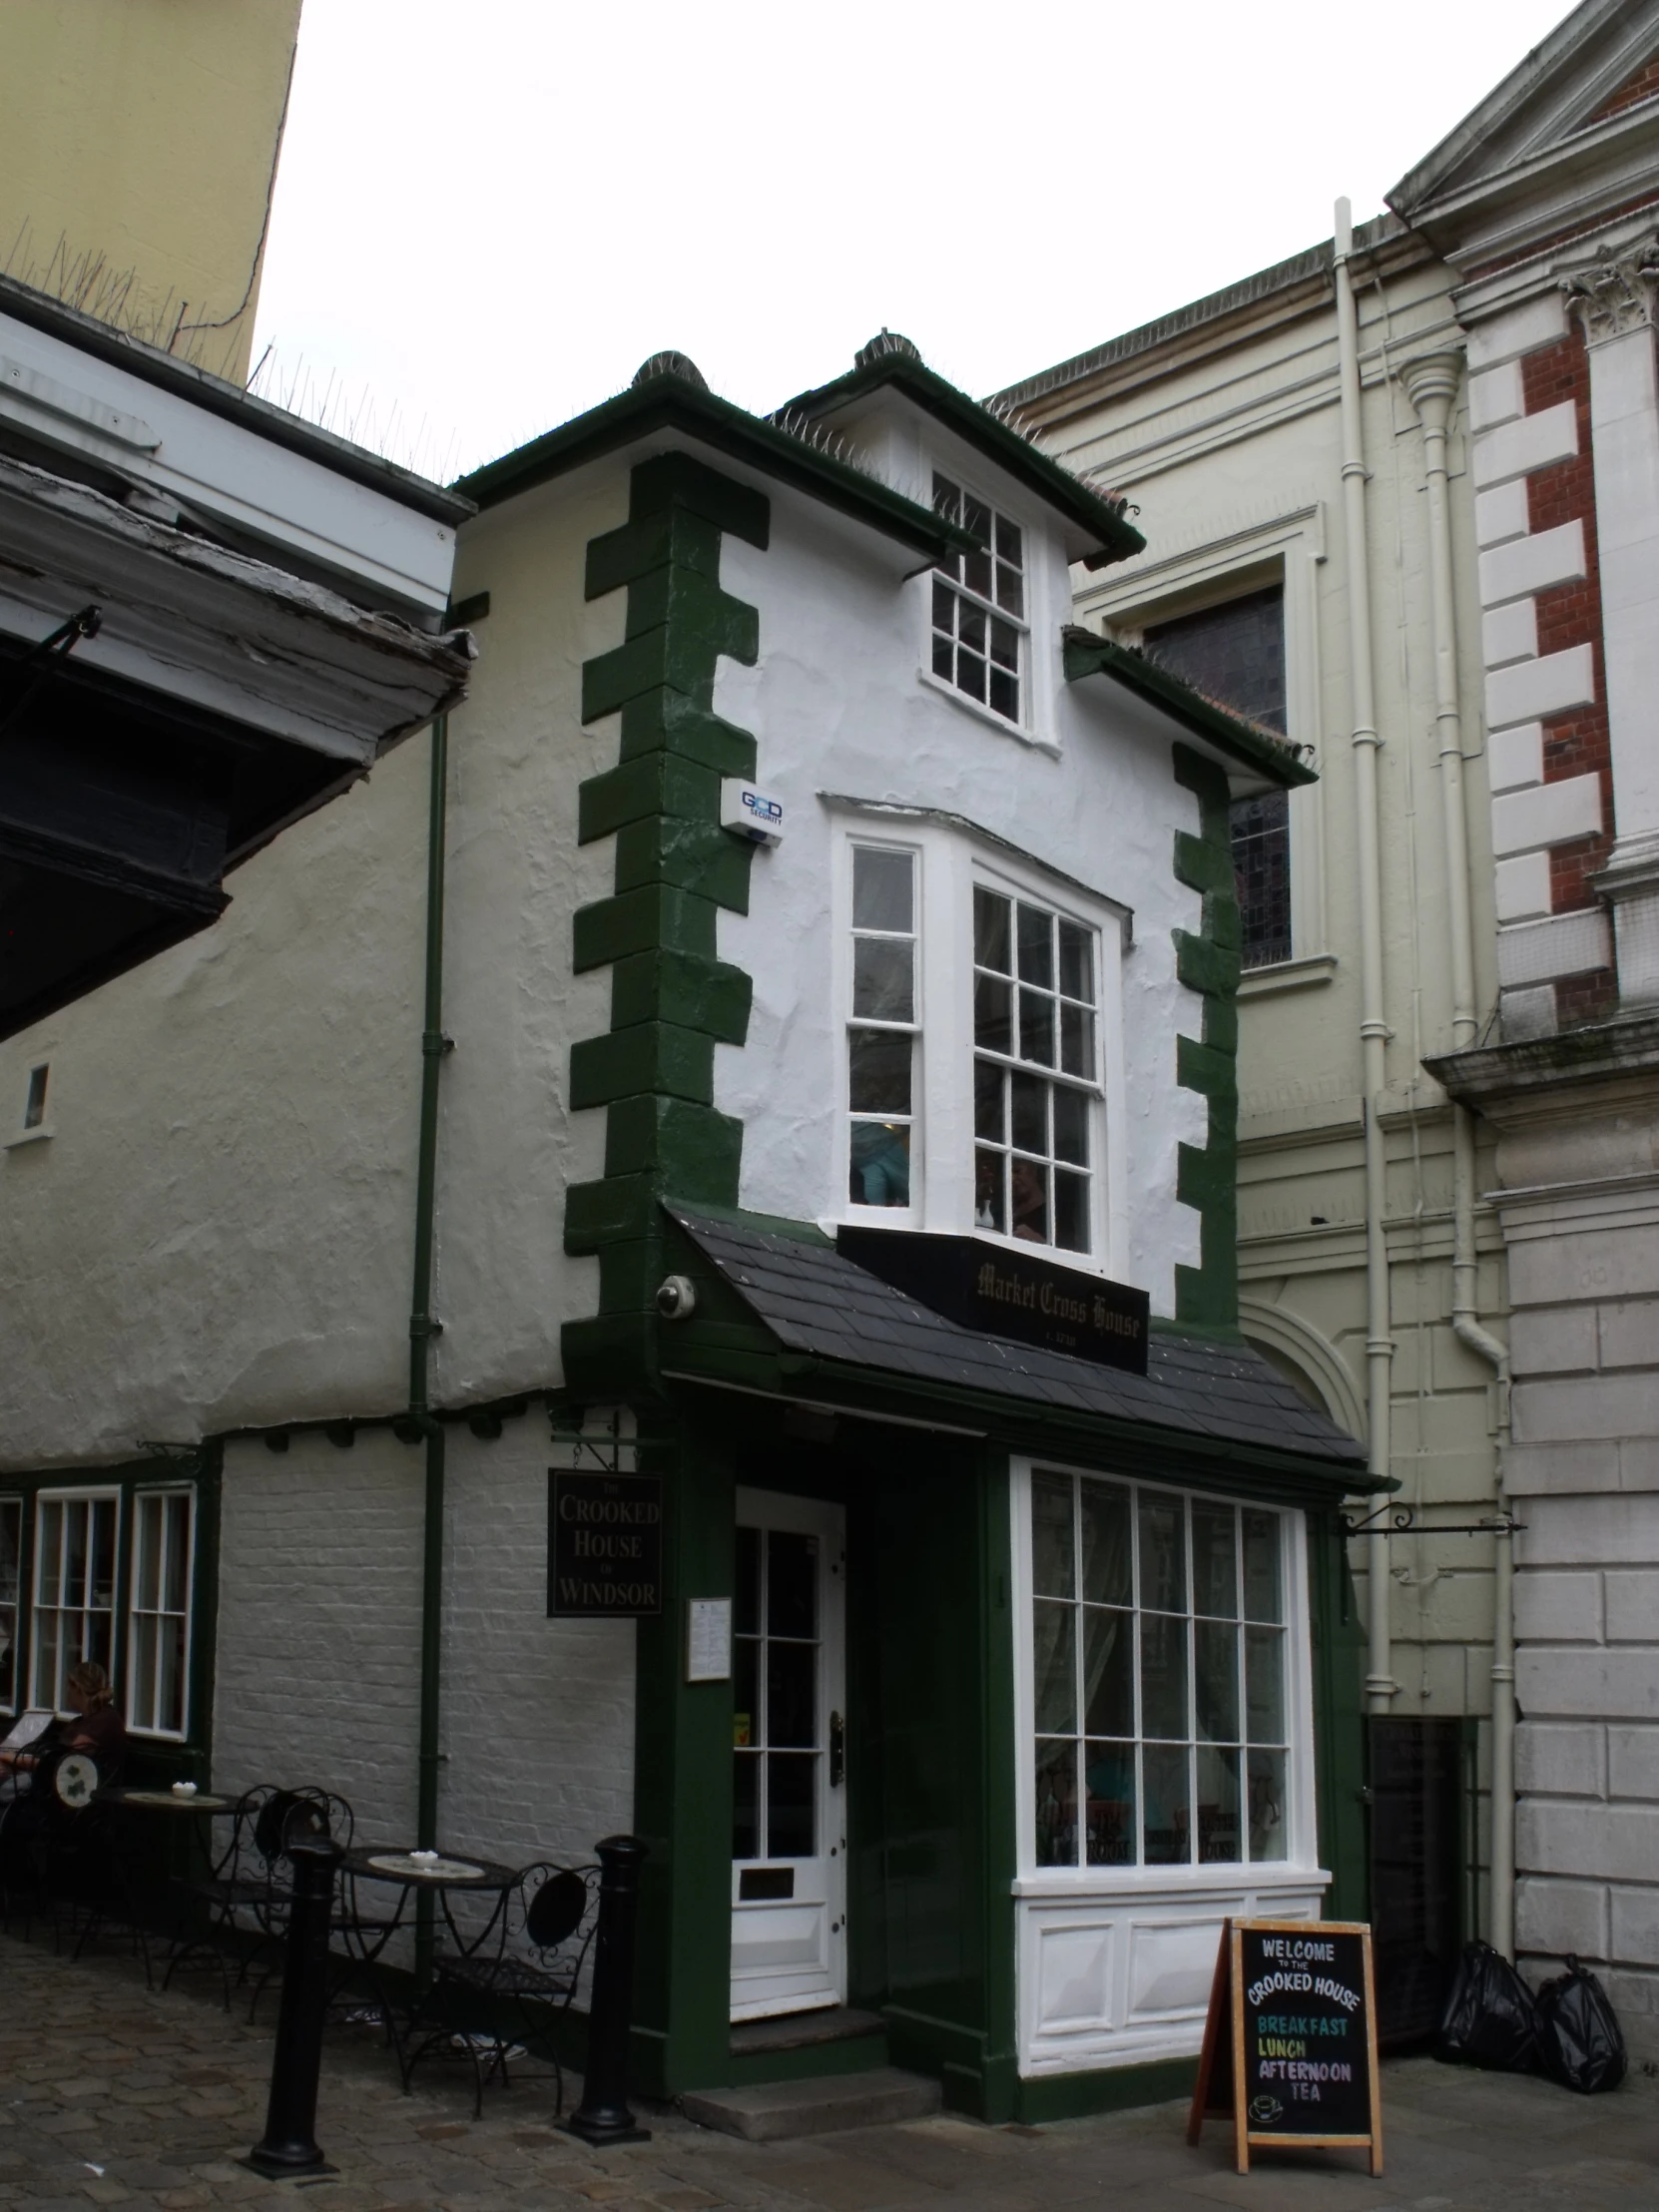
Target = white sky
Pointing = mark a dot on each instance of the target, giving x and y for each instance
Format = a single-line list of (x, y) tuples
[(488, 215)]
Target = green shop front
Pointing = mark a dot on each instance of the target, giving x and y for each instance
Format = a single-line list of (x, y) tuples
[(987, 1678)]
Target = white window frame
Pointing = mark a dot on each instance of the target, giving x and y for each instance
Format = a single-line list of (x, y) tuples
[(1288, 547), (1301, 1849), (1020, 624), (881, 1217), (144, 1724), (88, 1494), (951, 857), (13, 1501), (1093, 1086)]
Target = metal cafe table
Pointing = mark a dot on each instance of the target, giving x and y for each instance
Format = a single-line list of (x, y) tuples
[(415, 1872), (183, 1809)]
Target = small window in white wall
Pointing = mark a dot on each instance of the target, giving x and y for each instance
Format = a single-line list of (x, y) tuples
[(978, 605), (34, 1104), (1160, 1677), (884, 1028), (1036, 1086), (73, 1589), (159, 1613)]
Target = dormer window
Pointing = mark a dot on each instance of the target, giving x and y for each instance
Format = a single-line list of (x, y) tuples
[(980, 604)]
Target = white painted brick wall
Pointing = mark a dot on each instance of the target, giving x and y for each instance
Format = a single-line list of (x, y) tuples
[(538, 1716), (318, 1677), (1553, 1340), (1633, 1762), (1629, 1331), (1560, 1759), (1591, 1684)]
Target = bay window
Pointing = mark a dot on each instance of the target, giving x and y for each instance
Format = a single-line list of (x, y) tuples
[(1160, 1670), (883, 1034), (1035, 1072)]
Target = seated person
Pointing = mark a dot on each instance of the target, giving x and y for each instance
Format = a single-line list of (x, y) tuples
[(96, 1729)]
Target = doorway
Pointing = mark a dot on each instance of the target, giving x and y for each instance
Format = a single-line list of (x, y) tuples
[(788, 1798)]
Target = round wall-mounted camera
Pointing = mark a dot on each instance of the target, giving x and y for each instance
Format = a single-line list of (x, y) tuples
[(677, 1298)]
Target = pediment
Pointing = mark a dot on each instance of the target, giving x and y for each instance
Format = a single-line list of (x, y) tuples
[(1595, 78)]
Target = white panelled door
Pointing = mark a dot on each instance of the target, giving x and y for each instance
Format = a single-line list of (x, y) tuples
[(788, 1684)]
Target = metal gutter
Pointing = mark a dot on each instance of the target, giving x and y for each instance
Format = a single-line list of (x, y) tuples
[(215, 396)]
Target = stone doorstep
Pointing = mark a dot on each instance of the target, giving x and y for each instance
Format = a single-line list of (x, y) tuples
[(797, 2031), (783, 2111)]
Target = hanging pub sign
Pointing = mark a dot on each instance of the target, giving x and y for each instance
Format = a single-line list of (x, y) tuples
[(1000, 1291), (1290, 2044), (604, 1544)]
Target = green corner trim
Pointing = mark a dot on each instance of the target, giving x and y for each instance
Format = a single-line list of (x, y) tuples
[(1086, 654), (1207, 1176), (672, 998)]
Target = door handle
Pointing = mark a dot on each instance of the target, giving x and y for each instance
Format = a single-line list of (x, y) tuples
[(838, 1751)]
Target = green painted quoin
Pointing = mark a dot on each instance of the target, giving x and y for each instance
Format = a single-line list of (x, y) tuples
[(672, 998), (1207, 1176)]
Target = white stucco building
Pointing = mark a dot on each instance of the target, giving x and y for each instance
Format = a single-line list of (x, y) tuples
[(853, 1210)]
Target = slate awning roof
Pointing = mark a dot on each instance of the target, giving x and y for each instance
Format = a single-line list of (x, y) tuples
[(817, 1302)]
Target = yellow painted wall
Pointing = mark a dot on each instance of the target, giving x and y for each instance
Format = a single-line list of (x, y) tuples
[(138, 148)]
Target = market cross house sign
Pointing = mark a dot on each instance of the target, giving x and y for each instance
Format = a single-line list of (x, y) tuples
[(1002, 1292), (604, 1544)]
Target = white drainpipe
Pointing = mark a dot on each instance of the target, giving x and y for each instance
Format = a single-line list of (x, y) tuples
[(1431, 384), (1381, 1686)]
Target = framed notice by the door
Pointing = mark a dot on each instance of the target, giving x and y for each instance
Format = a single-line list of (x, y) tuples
[(1290, 2044)]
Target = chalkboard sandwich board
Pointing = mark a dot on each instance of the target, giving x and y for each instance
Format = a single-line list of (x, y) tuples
[(1290, 2044)]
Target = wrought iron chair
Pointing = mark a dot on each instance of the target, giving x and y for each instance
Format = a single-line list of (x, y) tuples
[(494, 1999)]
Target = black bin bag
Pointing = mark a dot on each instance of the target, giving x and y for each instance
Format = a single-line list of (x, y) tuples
[(1579, 2033), (1491, 2018)]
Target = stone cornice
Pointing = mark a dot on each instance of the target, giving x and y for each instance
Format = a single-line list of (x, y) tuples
[(1593, 1069)]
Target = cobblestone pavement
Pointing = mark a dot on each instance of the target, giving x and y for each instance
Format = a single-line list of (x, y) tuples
[(114, 2094)]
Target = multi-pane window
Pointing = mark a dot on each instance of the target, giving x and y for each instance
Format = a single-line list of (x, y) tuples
[(1160, 1677), (73, 1589), (1234, 655), (883, 1033), (159, 1611), (1035, 1071), (979, 603), (11, 1558), (775, 1695)]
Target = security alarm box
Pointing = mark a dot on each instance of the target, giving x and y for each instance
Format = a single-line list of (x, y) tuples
[(751, 813)]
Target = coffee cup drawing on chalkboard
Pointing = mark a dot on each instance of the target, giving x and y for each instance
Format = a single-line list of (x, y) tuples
[(1265, 2110)]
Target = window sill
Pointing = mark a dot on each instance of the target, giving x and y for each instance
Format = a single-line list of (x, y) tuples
[(28, 1136), (1288, 975), (986, 715), (1056, 1886)]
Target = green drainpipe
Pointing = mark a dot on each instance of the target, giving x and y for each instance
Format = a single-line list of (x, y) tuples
[(423, 1327)]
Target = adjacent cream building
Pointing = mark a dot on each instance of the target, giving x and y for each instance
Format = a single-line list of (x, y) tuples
[(138, 154), (1401, 495)]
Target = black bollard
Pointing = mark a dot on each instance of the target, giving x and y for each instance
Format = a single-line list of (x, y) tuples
[(602, 2115), (288, 2145)]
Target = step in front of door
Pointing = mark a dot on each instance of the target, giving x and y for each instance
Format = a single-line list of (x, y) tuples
[(780, 2112)]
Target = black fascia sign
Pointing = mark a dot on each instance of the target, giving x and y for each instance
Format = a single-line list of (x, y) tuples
[(1002, 1292), (604, 1546)]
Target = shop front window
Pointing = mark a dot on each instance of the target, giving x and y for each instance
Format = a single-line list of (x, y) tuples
[(1158, 1677), (159, 1618), (73, 1589)]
